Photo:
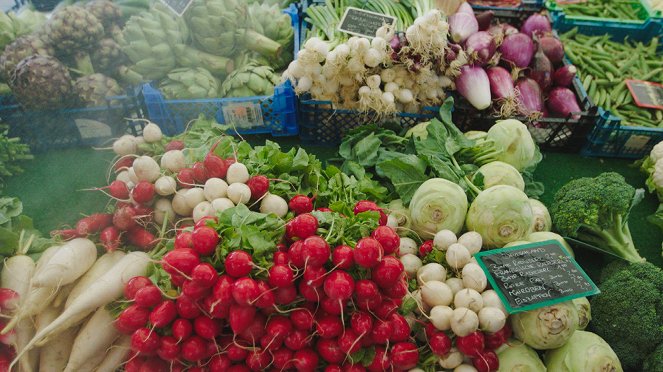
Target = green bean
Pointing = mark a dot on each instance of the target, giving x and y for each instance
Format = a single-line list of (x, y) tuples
[(632, 10)]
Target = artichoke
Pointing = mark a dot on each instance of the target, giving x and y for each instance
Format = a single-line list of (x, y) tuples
[(250, 80), (93, 90), (278, 3), (41, 82), (109, 14), (220, 27), (22, 47), (189, 83), (7, 32), (73, 28), (192, 58), (108, 57), (13, 25), (274, 24)]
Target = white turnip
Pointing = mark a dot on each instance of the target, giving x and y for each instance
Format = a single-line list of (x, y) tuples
[(431, 271), (173, 161), (456, 284), (440, 316), (491, 319), (407, 246), (468, 298), (411, 264), (474, 277), (472, 241), (163, 210), (457, 256), (436, 293), (215, 188), (152, 133), (443, 239), (492, 299), (464, 321), (451, 360), (165, 185), (237, 173), (274, 204), (146, 169), (239, 193)]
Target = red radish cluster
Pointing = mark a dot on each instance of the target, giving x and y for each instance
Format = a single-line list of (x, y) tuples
[(9, 301)]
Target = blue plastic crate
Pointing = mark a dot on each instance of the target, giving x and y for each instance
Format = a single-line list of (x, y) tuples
[(73, 127), (524, 5)]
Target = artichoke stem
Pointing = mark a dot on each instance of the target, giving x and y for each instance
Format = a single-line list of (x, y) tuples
[(259, 43), (83, 64)]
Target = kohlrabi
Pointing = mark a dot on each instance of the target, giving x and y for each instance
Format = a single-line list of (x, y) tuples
[(542, 220), (437, 205), (585, 351), (546, 328), (516, 356), (498, 173)]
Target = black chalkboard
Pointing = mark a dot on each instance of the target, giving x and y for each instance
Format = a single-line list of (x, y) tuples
[(535, 275), (646, 93), (178, 6), (363, 23)]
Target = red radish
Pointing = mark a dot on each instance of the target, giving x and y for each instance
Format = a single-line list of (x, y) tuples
[(266, 298), (204, 275), (285, 295), (185, 178), (134, 284), (245, 291), (238, 264), (219, 363), (206, 328), (536, 24), (388, 272), (183, 239), (361, 322), (332, 306), (440, 343), (278, 327), (257, 360), (314, 276), (329, 326), (119, 190), (143, 192), (132, 318), (169, 350), (404, 355), (296, 254), (124, 218), (368, 252), (301, 204), (163, 314), (141, 238), (282, 358), (381, 332), (497, 339), (223, 289), (343, 257), (553, 48), (240, 317), (148, 296), (517, 49), (239, 368), (9, 300), (110, 238), (174, 145), (259, 185), (145, 341), (200, 173), (324, 209), (93, 224), (302, 226), (315, 251), (280, 276), (562, 102), (339, 285), (204, 221), (471, 345), (180, 261), (563, 76), (400, 328), (354, 368), (187, 308), (123, 163), (214, 308), (386, 308), (193, 349), (255, 331), (311, 293), (306, 360), (181, 329), (486, 361), (205, 240), (66, 234), (333, 368), (301, 319), (398, 290), (281, 258), (330, 351), (388, 239), (381, 361), (177, 279), (296, 340), (236, 353), (349, 342), (155, 365), (216, 167), (370, 304), (367, 205), (425, 248)]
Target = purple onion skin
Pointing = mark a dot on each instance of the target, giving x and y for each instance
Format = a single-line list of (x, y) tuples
[(563, 76), (517, 49), (536, 24), (465, 8), (462, 25), (562, 102), (484, 19), (473, 84), (530, 96), (501, 84), (502, 29), (553, 49), (452, 52), (541, 69), (483, 44)]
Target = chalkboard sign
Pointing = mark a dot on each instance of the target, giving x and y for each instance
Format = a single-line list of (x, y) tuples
[(363, 23), (646, 93), (535, 275), (179, 7)]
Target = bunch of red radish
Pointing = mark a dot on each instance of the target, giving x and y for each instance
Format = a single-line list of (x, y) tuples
[(9, 301)]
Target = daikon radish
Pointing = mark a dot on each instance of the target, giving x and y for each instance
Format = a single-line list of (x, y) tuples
[(70, 262), (103, 264), (96, 336), (25, 330), (116, 356), (54, 355)]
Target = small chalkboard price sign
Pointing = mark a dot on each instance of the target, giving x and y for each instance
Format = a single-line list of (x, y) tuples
[(179, 7), (646, 93), (535, 275), (360, 22)]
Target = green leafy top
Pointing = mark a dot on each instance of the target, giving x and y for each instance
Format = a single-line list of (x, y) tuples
[(12, 224)]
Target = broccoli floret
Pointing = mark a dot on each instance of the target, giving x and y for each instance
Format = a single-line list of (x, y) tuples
[(628, 313), (654, 362), (595, 211)]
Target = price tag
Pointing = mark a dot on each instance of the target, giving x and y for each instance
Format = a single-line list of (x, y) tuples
[(646, 94), (535, 275), (242, 115), (636, 141), (179, 7), (363, 23)]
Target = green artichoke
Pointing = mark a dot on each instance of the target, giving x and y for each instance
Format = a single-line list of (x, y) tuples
[(93, 90), (189, 83), (109, 14), (41, 82), (148, 40), (13, 25), (221, 27), (22, 47), (278, 3), (73, 28), (274, 24), (108, 57), (250, 80), (7, 31), (192, 58)]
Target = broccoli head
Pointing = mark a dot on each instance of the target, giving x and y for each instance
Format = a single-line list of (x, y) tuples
[(654, 361), (628, 313), (595, 211)]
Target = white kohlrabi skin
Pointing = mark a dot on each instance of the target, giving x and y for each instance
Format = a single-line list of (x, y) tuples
[(500, 173), (443, 239), (585, 351), (440, 317), (431, 271), (546, 328), (584, 312), (516, 356), (514, 144), (542, 220), (437, 205)]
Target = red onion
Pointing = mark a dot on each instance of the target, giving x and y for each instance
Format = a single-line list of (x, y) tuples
[(462, 25), (536, 24), (502, 29), (563, 76), (473, 84), (541, 69), (452, 52), (517, 49), (501, 84), (530, 97), (465, 8), (553, 49), (483, 44), (484, 19), (562, 102)]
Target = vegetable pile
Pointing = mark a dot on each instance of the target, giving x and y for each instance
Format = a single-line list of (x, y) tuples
[(653, 168)]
